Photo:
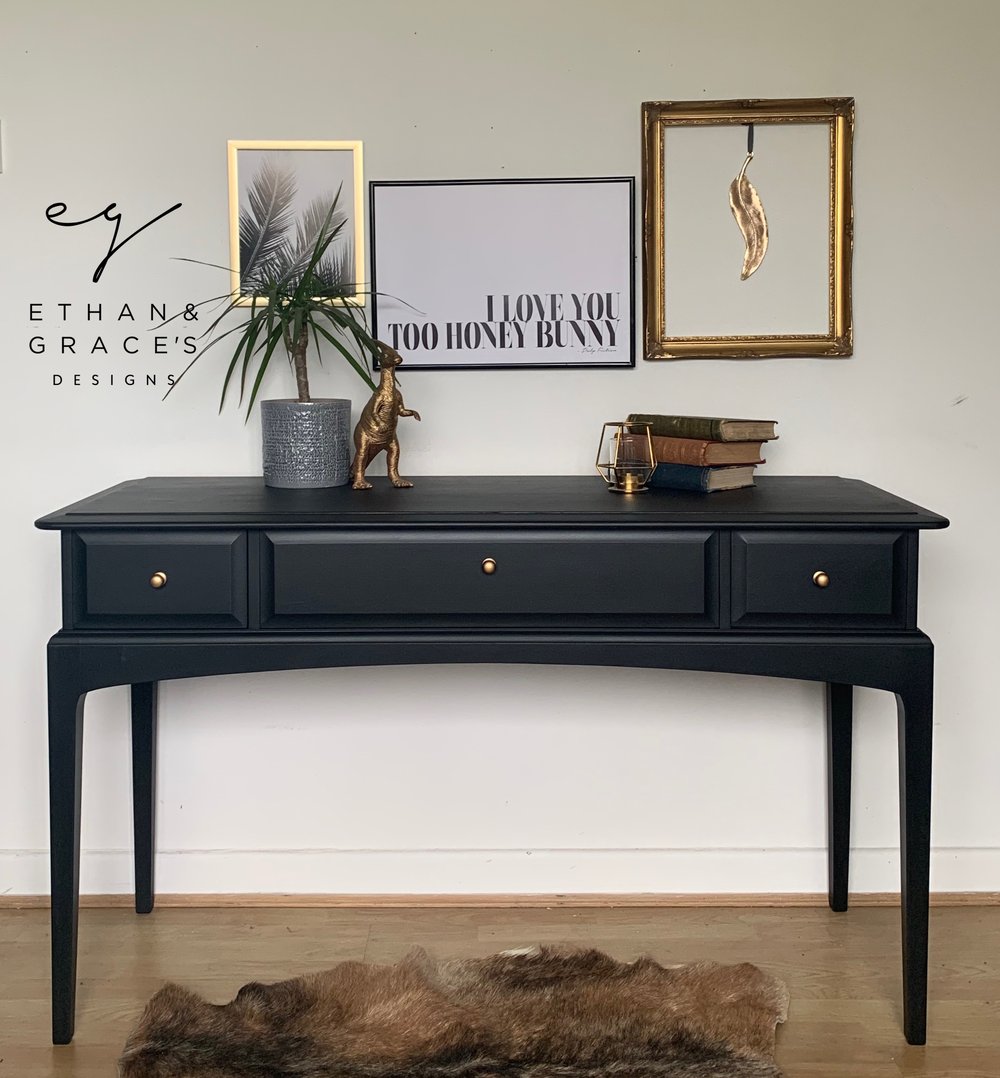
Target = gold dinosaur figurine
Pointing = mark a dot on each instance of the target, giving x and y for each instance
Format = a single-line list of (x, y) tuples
[(376, 429)]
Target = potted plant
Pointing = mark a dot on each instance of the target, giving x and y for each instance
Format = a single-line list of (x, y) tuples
[(296, 285)]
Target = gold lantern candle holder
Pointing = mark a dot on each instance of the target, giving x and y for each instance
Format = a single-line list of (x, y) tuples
[(625, 456)]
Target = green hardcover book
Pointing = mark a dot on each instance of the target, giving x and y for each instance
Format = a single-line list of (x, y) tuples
[(712, 428)]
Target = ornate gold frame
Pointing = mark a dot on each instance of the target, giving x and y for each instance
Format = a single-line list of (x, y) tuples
[(354, 146), (838, 114)]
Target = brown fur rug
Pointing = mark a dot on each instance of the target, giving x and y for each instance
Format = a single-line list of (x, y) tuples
[(535, 1013)]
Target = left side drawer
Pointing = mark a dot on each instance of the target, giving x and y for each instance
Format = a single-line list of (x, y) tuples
[(202, 578)]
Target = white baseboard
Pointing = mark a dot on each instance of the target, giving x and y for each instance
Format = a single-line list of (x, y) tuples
[(589, 871)]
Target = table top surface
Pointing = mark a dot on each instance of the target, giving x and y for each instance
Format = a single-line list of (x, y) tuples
[(244, 501)]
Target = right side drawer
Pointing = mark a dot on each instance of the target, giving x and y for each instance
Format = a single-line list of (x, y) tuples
[(819, 580)]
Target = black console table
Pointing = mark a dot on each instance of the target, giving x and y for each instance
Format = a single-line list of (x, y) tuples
[(798, 577)]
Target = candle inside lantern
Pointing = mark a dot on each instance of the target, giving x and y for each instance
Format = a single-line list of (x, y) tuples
[(625, 457)]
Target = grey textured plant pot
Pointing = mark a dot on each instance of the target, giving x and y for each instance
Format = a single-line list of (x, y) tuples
[(306, 443)]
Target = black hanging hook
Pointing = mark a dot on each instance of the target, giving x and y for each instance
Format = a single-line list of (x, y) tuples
[(749, 138)]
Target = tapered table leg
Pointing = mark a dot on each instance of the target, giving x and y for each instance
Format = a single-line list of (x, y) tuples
[(839, 737), (915, 707), (144, 791), (65, 772)]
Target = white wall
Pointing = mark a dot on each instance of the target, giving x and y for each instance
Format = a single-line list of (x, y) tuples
[(499, 779)]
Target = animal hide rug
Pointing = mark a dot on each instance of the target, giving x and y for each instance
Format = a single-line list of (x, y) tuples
[(535, 1013)]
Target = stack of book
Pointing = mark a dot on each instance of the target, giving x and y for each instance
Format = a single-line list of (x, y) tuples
[(694, 452)]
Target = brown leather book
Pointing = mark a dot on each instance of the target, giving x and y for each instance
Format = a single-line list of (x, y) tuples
[(702, 451), (698, 452)]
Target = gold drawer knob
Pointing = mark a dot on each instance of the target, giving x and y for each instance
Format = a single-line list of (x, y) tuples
[(821, 579), (158, 580), (489, 566)]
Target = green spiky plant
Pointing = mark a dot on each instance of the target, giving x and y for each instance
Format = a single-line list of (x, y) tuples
[(299, 285)]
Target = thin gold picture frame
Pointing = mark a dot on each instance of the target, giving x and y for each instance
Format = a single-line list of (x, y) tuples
[(657, 118), (351, 146)]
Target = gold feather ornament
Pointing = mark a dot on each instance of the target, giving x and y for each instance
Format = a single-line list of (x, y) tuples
[(749, 213)]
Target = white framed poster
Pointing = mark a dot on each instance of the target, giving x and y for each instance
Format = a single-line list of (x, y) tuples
[(489, 274)]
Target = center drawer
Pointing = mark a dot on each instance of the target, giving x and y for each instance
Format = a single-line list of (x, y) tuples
[(431, 576)]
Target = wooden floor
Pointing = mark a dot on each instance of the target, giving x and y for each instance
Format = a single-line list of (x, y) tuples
[(842, 972)]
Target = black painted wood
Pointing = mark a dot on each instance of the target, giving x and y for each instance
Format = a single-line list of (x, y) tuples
[(839, 738), (785, 500), (292, 580), (773, 579), (915, 709), (65, 785), (322, 578), (206, 575), (877, 661), (144, 701)]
